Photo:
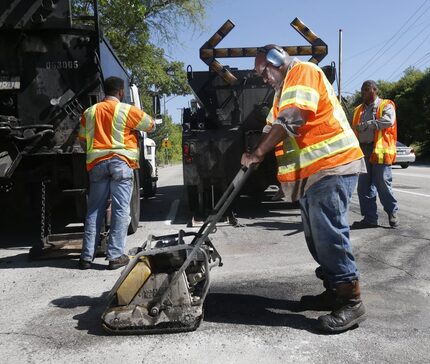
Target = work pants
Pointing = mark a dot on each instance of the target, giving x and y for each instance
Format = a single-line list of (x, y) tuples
[(376, 182), (114, 178), (324, 209)]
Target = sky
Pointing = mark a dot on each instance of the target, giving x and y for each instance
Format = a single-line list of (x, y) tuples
[(380, 38)]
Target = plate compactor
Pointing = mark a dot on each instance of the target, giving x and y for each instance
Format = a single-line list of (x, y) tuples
[(163, 287)]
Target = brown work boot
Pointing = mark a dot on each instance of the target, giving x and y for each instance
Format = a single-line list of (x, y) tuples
[(118, 262), (350, 309), (325, 301)]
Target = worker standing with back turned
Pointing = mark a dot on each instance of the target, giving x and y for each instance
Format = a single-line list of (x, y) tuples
[(107, 133), (319, 159), (375, 124)]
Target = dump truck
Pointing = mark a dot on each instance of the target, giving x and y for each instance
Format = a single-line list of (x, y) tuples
[(227, 116), (52, 67)]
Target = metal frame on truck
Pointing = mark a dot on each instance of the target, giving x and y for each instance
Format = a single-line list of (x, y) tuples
[(52, 67), (227, 117)]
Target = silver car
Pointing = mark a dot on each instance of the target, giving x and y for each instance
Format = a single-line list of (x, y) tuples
[(404, 155)]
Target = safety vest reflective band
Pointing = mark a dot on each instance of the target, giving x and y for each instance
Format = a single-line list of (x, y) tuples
[(302, 95), (118, 125), (384, 148), (108, 129), (131, 154), (326, 140), (307, 156)]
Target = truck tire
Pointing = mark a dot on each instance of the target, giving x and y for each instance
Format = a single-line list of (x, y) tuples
[(150, 189), (193, 198), (148, 183), (135, 204), (404, 165)]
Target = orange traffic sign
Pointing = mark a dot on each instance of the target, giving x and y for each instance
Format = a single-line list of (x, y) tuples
[(317, 49)]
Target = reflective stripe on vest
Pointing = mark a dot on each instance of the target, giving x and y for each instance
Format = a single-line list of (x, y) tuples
[(295, 157), (118, 125), (90, 116), (119, 121), (297, 163), (131, 154), (302, 95), (383, 154)]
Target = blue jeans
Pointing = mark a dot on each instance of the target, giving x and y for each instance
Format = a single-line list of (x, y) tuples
[(324, 209), (377, 181), (112, 177)]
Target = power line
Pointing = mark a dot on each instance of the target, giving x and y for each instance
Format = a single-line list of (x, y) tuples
[(362, 52), (420, 62), (417, 47), (423, 60), (365, 50), (409, 42), (387, 44)]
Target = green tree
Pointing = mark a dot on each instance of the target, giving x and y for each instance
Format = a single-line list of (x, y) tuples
[(173, 132), (133, 26)]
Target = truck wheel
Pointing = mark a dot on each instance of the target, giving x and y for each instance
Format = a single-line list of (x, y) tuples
[(404, 165), (150, 189), (146, 179), (193, 198), (135, 204)]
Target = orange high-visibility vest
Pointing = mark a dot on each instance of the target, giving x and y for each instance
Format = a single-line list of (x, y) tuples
[(326, 140), (384, 142), (108, 128)]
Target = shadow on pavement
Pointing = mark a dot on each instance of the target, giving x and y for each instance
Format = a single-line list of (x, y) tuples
[(157, 208), (248, 309), (219, 308), (23, 261), (90, 320)]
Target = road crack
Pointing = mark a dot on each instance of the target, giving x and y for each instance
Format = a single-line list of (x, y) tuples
[(397, 267)]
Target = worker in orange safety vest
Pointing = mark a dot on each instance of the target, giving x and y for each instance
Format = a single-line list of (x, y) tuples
[(375, 124), (319, 159), (108, 135)]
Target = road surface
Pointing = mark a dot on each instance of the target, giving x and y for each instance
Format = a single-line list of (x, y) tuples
[(50, 310)]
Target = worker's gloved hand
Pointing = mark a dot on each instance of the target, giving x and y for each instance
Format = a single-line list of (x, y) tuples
[(371, 124), (361, 127)]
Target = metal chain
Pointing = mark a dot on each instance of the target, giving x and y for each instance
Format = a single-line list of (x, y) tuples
[(45, 214), (42, 212), (48, 217)]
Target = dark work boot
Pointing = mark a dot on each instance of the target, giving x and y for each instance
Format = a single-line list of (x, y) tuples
[(118, 262), (363, 224), (84, 264), (393, 220), (349, 312), (325, 301)]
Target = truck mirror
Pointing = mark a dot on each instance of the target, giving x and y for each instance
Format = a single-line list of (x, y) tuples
[(156, 109), (193, 106), (330, 72)]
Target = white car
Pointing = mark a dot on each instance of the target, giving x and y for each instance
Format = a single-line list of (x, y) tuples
[(404, 155)]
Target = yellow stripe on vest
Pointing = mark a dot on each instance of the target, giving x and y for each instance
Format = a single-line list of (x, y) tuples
[(119, 121), (301, 95), (90, 118)]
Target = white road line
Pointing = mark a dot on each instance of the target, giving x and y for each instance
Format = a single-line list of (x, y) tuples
[(411, 175), (172, 213), (411, 193)]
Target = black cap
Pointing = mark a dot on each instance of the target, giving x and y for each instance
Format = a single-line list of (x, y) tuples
[(370, 83)]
